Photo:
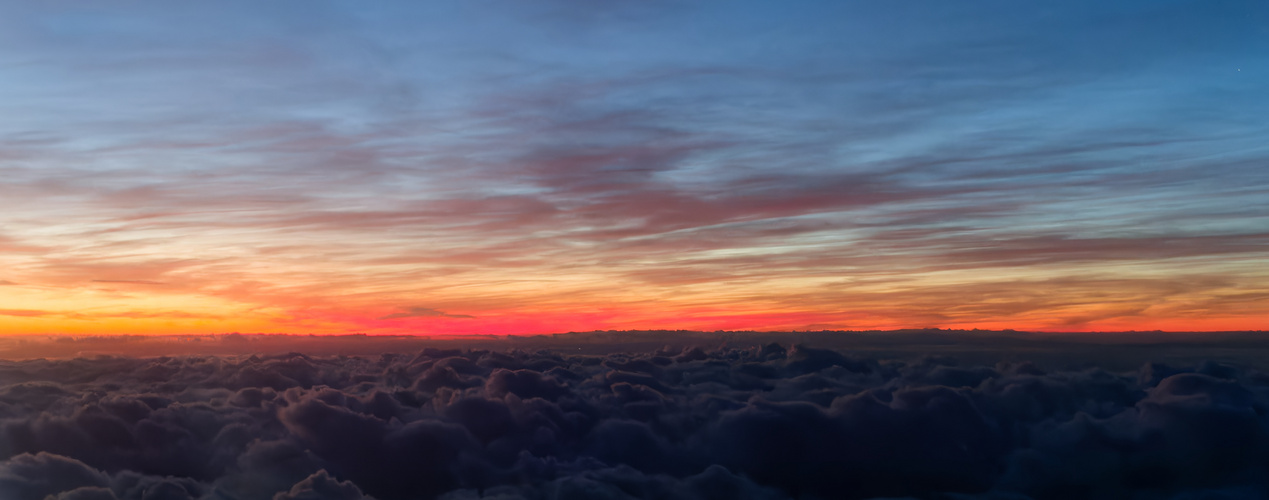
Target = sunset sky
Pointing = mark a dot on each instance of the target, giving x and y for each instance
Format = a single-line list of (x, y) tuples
[(506, 167)]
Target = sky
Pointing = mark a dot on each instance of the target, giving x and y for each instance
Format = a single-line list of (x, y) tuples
[(503, 167)]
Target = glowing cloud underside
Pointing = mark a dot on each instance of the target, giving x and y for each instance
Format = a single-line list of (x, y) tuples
[(332, 168)]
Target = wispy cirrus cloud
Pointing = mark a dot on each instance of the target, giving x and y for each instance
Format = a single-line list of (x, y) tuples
[(655, 157), (27, 313)]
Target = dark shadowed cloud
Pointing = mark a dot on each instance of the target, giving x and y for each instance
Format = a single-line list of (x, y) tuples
[(1018, 416)]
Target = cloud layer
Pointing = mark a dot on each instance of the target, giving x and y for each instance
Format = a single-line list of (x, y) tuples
[(767, 422)]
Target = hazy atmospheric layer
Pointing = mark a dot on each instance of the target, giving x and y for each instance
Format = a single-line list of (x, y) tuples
[(518, 167), (753, 422)]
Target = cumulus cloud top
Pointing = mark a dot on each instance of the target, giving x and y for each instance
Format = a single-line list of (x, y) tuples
[(763, 422)]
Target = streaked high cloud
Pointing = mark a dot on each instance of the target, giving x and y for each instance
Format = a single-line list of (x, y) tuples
[(319, 167)]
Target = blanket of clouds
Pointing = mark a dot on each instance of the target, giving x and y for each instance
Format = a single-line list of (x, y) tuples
[(685, 423)]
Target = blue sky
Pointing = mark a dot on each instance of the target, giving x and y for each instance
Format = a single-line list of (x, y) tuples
[(538, 166)]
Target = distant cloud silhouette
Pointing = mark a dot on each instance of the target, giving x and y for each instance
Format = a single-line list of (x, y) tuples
[(131, 282), (424, 312)]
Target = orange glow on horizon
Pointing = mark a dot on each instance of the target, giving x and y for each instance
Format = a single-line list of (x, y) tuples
[(384, 320)]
